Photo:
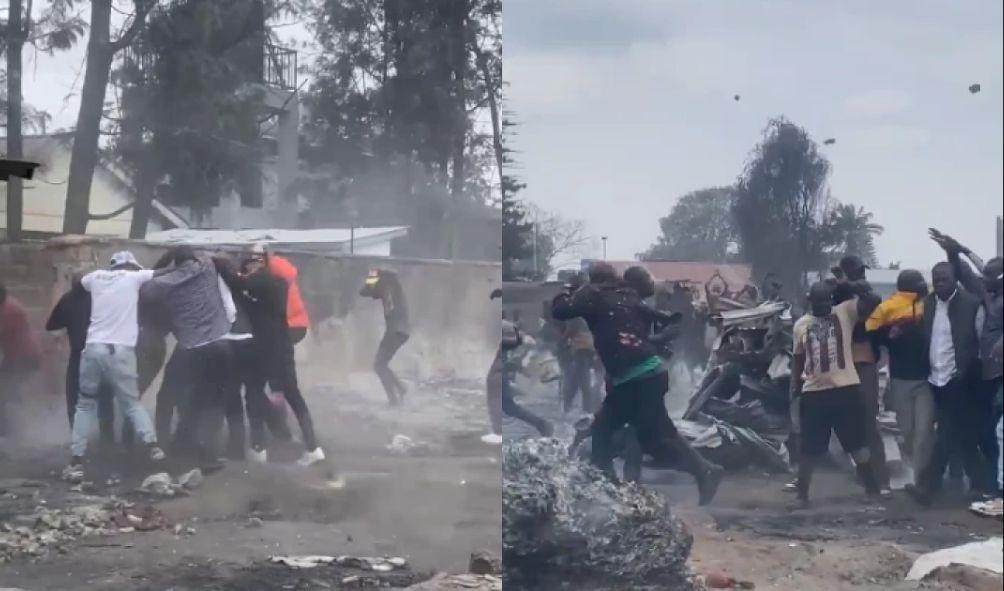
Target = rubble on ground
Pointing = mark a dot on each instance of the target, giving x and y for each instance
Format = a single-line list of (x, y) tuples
[(47, 530), (384, 564), (469, 582), (402, 445), (162, 485), (565, 523)]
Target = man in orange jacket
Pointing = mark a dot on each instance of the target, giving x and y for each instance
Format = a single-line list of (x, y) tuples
[(296, 310)]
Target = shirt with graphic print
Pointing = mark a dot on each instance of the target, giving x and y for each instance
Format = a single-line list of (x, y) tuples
[(826, 343)]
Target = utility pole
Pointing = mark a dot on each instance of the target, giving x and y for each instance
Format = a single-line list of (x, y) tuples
[(604, 239), (16, 34)]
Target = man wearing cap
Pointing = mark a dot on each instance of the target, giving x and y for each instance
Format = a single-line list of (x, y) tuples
[(109, 356), (866, 359), (384, 285)]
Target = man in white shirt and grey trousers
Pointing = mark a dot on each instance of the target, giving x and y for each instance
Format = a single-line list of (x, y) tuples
[(109, 357), (952, 323)]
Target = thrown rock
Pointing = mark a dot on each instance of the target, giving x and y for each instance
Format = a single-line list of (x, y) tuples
[(564, 523), (402, 445)]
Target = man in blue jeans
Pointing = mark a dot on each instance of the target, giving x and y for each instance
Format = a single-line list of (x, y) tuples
[(109, 356)]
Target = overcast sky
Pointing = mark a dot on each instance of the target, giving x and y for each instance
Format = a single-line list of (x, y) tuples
[(625, 105)]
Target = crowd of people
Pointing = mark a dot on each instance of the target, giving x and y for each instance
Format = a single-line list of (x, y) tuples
[(235, 320), (942, 348)]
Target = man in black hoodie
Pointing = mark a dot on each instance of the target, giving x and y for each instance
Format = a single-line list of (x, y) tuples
[(72, 313), (264, 297), (622, 325)]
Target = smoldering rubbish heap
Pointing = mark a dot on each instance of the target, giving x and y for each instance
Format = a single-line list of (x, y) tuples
[(563, 523)]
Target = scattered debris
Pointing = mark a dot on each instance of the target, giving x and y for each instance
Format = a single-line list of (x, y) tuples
[(975, 88), (563, 522), (965, 577), (380, 565), (736, 98), (829, 141), (402, 445), (191, 480), (983, 555), (471, 582), (162, 485), (484, 562)]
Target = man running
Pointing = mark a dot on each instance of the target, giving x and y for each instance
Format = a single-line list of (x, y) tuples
[(637, 381), (385, 286)]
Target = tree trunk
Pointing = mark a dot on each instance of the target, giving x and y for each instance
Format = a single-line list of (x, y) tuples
[(84, 157), (15, 187), (460, 122), (493, 109), (143, 207)]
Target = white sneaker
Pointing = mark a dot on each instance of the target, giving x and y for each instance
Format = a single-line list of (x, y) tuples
[(74, 473), (311, 457), (491, 439), (156, 453), (258, 457)]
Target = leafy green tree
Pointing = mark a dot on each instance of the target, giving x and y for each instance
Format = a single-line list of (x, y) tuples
[(851, 229), (698, 228)]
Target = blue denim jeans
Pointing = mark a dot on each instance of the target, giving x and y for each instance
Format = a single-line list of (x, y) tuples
[(114, 367)]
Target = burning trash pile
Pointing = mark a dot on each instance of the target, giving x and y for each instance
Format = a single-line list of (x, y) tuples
[(739, 413), (564, 523)]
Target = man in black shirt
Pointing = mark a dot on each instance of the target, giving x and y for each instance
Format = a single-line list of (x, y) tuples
[(384, 285), (72, 313), (264, 300), (622, 326)]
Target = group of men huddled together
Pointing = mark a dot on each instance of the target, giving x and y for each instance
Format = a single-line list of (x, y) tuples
[(236, 323), (944, 357)]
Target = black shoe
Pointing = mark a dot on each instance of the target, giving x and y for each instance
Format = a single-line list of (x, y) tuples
[(919, 496), (707, 484)]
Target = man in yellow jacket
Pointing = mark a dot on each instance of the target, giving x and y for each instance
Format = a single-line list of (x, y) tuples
[(898, 323)]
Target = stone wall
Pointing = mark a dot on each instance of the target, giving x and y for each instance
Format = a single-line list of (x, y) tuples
[(455, 325)]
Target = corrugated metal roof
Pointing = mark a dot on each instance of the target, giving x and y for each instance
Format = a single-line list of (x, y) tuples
[(276, 236)]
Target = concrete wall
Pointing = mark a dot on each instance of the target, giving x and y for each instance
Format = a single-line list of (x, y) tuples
[(455, 325)]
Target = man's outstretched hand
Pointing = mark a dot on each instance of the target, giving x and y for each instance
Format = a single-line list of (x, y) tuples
[(946, 242)]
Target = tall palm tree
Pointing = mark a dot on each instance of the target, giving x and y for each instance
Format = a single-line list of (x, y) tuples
[(851, 230)]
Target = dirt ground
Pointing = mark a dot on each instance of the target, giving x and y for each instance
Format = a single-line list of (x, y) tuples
[(751, 534), (432, 508)]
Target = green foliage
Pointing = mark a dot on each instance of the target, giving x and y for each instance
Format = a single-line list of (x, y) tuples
[(851, 230), (698, 228), (192, 109)]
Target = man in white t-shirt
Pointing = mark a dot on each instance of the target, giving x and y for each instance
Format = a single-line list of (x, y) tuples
[(109, 357)]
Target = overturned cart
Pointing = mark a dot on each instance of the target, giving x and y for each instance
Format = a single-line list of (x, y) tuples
[(739, 414)]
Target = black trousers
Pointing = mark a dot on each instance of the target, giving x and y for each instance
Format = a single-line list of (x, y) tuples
[(389, 346), (280, 372), (203, 387), (638, 403), (958, 408)]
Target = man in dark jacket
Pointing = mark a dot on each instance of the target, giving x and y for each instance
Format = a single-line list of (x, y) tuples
[(72, 313), (622, 325), (989, 288), (897, 323), (385, 286), (951, 324), (265, 302)]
